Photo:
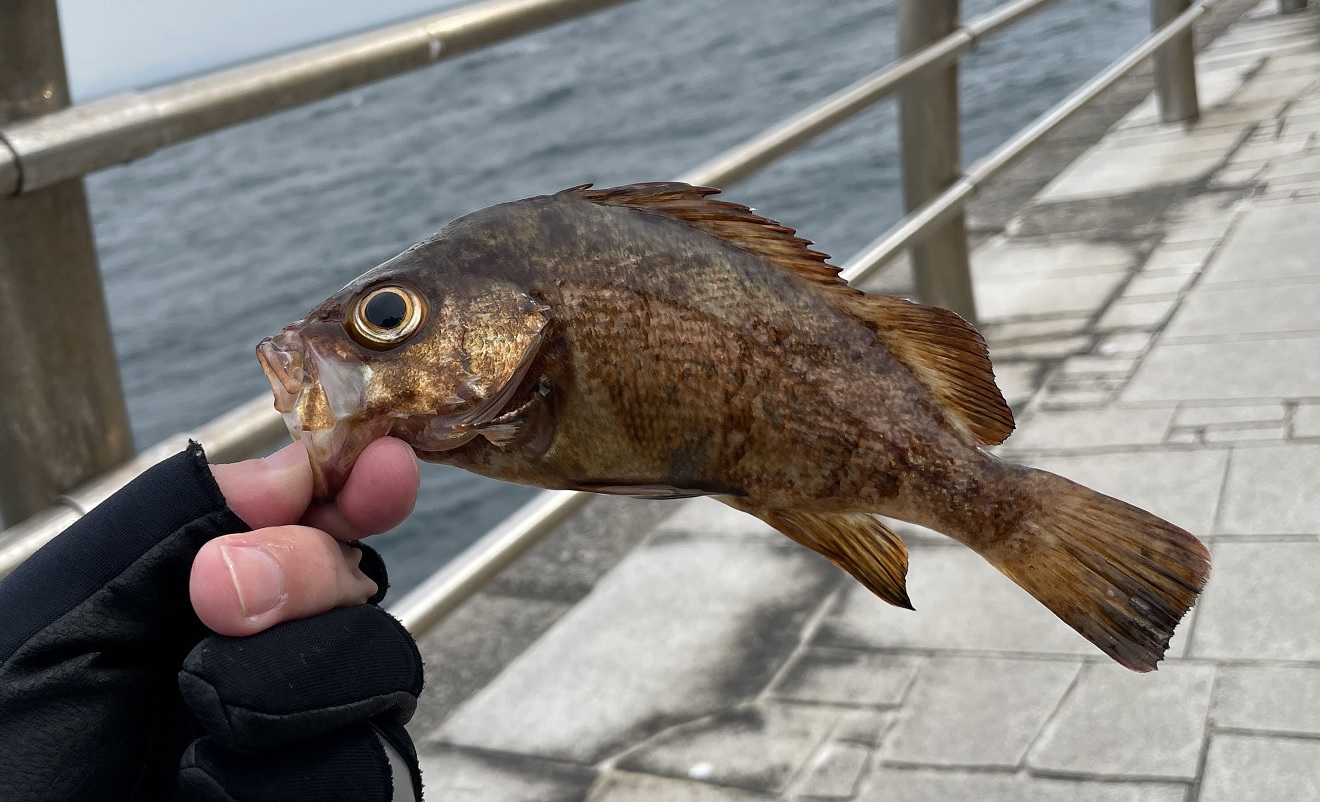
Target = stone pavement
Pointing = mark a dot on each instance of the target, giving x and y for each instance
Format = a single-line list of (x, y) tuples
[(1153, 316)]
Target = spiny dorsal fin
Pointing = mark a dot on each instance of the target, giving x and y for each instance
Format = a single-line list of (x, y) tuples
[(732, 222), (947, 355), (942, 350)]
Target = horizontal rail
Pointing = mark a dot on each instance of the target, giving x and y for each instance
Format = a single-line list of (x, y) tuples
[(743, 160), (430, 602), (921, 223), (255, 426), (238, 434), (91, 136)]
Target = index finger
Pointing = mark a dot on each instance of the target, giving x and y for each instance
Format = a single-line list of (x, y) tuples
[(378, 495), (277, 490)]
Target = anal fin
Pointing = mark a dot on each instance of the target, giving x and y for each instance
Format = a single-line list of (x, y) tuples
[(857, 543)]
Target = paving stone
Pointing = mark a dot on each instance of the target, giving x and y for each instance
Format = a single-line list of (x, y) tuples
[(1246, 768), (1018, 381), (471, 647), (1039, 297), (1117, 723), (977, 711), (1041, 349), (847, 677), (758, 748), (1097, 366), (1262, 603), (1216, 434), (962, 603), (1180, 486), (565, 565), (1124, 170), (1005, 258), (1306, 420), (1235, 309), (923, 785), (456, 776), (1057, 398), (1269, 242), (1063, 381), (865, 727), (1273, 491), (706, 516), (625, 786), (1264, 368), (1204, 234), (1278, 698), (678, 630), (835, 772), (1051, 328), (1182, 259), (1114, 426), (1158, 285), (1135, 314), (1124, 343), (1222, 414)]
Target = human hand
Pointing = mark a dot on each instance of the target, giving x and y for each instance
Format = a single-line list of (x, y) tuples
[(96, 630), (297, 562)]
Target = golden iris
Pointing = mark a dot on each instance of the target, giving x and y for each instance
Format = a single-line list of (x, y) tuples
[(387, 316)]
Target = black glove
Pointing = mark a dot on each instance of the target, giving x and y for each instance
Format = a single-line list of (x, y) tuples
[(111, 688)]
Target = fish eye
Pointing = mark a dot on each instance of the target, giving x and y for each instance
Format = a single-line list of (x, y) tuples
[(386, 317)]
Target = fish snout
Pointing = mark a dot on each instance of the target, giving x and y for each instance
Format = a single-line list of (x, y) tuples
[(281, 358)]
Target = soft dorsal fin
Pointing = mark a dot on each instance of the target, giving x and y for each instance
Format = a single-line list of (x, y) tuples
[(947, 355), (942, 350)]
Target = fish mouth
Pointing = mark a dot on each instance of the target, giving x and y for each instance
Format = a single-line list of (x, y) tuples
[(322, 401)]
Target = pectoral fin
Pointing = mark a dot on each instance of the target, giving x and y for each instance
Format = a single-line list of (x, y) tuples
[(650, 491), (503, 430), (860, 545)]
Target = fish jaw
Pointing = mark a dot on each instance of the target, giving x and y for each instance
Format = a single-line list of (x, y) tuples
[(322, 400)]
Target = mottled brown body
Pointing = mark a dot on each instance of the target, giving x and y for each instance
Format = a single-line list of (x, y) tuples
[(689, 364), (647, 341)]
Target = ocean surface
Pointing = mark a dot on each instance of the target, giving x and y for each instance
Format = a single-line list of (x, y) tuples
[(210, 245)]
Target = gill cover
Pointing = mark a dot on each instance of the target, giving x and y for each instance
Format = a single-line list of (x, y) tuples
[(457, 364)]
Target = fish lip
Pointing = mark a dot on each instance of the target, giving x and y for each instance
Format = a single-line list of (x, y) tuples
[(283, 364), (292, 372)]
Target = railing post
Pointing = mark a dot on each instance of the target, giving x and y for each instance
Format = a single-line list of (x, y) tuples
[(1291, 6), (62, 415), (932, 158), (1175, 67)]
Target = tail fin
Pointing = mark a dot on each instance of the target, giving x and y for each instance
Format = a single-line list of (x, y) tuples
[(1120, 576)]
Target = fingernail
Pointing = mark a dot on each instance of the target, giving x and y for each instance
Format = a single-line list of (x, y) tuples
[(257, 577), (294, 455)]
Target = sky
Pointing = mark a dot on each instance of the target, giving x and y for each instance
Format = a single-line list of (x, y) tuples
[(112, 45)]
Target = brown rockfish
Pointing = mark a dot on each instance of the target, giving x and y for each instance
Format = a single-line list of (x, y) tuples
[(650, 341)]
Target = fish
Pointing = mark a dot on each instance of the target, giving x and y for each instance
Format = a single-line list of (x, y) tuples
[(651, 340)]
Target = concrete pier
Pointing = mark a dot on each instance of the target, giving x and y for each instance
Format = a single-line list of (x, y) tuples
[(1152, 315)]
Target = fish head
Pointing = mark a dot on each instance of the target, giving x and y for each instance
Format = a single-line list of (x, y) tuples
[(410, 349)]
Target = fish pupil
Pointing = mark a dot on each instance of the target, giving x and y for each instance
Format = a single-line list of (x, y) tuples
[(386, 310)]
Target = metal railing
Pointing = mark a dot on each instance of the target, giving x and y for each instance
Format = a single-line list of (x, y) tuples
[(93, 139)]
